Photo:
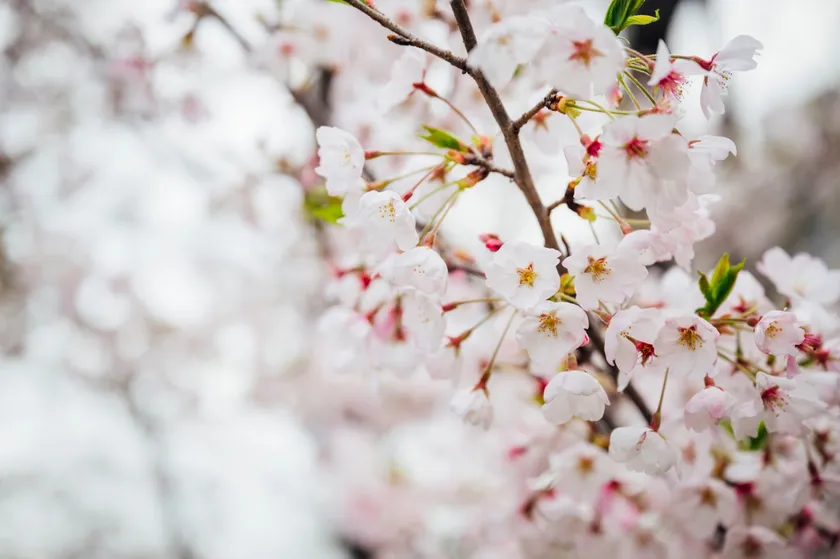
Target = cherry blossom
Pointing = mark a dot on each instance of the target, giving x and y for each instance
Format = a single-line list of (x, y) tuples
[(737, 56), (341, 160), (580, 57), (473, 407), (386, 222), (551, 333), (422, 317), (783, 404), (706, 408), (419, 268), (703, 505), (574, 394), (642, 450), (408, 70), (604, 275), (524, 274), (628, 341), (801, 277), (507, 44), (670, 76), (744, 542), (687, 345), (778, 333), (645, 158)]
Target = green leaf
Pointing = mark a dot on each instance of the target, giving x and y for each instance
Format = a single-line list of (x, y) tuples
[(443, 139), (337, 1), (718, 288), (705, 289), (642, 20), (321, 206), (759, 442)]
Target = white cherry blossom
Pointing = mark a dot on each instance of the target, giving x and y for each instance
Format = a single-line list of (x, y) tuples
[(703, 505), (671, 76), (419, 268), (737, 56), (628, 341), (581, 57), (783, 404), (386, 222), (340, 160), (754, 542), (687, 345), (706, 408), (506, 45), (642, 449), (473, 406), (801, 277), (524, 274), (422, 317), (574, 394), (551, 333), (410, 68), (778, 333), (608, 275), (646, 159)]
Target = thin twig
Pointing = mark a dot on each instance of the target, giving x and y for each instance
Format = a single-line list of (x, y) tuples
[(403, 37), (532, 112)]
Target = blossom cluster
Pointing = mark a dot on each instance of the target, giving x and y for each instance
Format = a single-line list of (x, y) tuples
[(652, 414)]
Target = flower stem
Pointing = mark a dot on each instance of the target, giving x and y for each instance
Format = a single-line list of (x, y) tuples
[(488, 371), (641, 87), (657, 416)]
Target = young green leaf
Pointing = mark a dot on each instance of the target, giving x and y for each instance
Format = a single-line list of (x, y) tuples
[(443, 139), (642, 20), (321, 206)]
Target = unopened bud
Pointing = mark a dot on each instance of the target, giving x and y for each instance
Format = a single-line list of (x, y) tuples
[(491, 241)]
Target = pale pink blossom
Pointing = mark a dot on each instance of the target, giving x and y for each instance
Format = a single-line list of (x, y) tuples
[(506, 45), (524, 274), (778, 333), (581, 57), (703, 505), (473, 406), (419, 268), (423, 320), (671, 76), (551, 332), (574, 394), (642, 449), (409, 69), (646, 159), (687, 345), (340, 160), (628, 341), (706, 408), (737, 56), (604, 274), (386, 222), (754, 542), (801, 277)]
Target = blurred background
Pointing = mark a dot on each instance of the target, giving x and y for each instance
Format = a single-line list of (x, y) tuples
[(160, 279)]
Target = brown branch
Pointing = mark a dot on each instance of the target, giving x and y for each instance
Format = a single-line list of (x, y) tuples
[(522, 174), (543, 104), (406, 38)]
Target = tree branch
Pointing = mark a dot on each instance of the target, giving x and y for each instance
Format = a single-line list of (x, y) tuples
[(406, 38), (543, 104), (522, 174)]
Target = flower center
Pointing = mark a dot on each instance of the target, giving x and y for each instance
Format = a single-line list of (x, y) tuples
[(708, 497), (636, 148), (527, 275), (597, 268), (688, 337), (773, 329), (548, 323), (773, 399), (584, 52), (673, 84), (585, 465), (388, 211), (752, 548)]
